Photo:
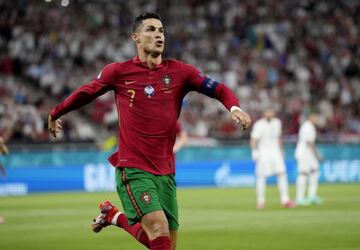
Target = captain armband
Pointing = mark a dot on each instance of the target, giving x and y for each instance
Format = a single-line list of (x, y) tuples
[(208, 87)]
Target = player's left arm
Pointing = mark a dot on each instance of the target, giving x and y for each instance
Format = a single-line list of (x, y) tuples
[(220, 91)]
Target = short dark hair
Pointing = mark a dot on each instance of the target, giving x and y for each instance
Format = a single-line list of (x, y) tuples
[(140, 18)]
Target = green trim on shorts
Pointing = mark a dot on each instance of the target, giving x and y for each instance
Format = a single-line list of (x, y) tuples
[(141, 193)]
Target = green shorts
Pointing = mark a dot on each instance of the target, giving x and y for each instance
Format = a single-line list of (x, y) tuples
[(141, 192)]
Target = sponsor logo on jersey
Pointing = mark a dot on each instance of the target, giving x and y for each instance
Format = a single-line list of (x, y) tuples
[(129, 82), (166, 79), (149, 91), (146, 198)]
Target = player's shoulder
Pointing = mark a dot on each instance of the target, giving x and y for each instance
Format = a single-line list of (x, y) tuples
[(307, 124), (261, 121), (258, 123), (120, 65), (175, 63), (306, 127), (277, 121), (124, 64)]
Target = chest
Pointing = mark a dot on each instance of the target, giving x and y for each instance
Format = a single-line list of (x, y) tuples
[(150, 87), (270, 131)]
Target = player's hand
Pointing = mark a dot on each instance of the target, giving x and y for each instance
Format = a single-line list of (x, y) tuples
[(54, 126), (241, 117)]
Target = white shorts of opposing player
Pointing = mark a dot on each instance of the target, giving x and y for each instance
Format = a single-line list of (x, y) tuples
[(269, 164)]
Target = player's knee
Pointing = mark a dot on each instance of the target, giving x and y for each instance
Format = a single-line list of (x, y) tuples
[(157, 228)]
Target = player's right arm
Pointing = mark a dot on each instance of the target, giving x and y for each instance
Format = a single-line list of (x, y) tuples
[(82, 96)]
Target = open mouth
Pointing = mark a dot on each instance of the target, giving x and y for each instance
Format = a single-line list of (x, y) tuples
[(159, 43)]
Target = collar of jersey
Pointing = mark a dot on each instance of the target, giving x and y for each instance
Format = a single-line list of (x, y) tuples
[(137, 61)]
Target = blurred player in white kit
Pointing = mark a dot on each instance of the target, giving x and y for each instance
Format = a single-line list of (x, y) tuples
[(266, 145), (308, 158)]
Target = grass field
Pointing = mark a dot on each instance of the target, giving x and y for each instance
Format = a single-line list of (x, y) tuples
[(210, 219)]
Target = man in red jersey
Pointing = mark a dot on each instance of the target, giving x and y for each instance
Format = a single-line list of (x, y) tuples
[(148, 93)]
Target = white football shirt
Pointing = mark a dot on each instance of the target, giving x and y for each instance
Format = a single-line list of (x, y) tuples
[(307, 133), (267, 134)]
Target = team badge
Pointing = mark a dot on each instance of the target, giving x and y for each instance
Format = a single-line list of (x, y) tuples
[(166, 79), (146, 198), (149, 91)]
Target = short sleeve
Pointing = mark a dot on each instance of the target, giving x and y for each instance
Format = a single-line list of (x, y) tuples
[(193, 76), (255, 132)]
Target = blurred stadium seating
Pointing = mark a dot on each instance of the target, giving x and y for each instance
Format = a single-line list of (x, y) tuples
[(296, 56)]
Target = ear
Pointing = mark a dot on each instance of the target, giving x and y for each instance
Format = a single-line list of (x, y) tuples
[(135, 37)]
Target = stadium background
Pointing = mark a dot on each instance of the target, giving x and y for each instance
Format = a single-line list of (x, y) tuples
[(296, 56)]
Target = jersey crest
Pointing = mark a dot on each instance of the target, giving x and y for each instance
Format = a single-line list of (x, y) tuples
[(166, 79)]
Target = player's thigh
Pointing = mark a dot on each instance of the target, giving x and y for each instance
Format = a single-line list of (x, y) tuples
[(278, 165), (263, 166), (168, 199), (138, 193), (173, 239)]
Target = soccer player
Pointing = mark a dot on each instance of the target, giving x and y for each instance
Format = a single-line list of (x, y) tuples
[(148, 93), (266, 145), (3, 151), (308, 158)]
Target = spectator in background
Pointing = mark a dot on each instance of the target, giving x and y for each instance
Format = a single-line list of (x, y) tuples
[(308, 158), (266, 145)]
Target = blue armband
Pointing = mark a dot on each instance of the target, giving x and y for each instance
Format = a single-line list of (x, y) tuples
[(208, 87)]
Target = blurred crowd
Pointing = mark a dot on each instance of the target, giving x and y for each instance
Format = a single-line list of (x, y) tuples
[(294, 56)]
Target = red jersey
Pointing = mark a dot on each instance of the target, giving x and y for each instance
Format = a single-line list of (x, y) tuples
[(148, 103)]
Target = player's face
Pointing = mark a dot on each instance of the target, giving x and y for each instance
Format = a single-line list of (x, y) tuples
[(269, 114), (150, 37), (314, 119)]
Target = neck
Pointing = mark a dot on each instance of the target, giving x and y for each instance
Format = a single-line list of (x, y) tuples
[(151, 59)]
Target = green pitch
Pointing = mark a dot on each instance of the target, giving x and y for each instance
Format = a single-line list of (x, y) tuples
[(211, 219)]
